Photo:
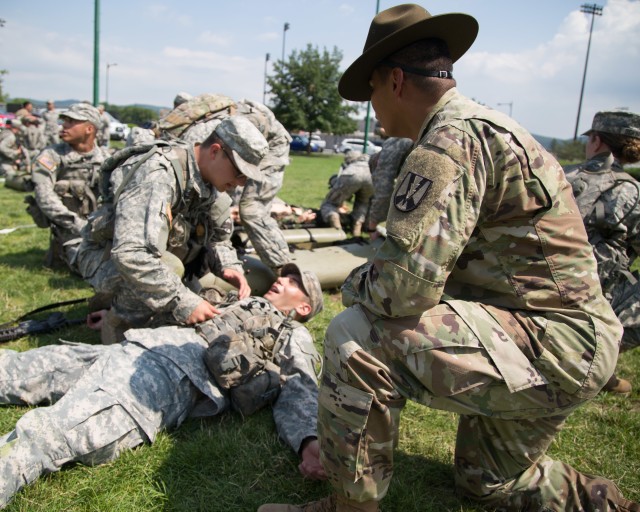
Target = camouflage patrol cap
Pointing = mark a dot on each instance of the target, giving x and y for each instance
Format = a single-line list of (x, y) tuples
[(310, 285), (246, 143), (83, 112), (351, 156), (616, 122)]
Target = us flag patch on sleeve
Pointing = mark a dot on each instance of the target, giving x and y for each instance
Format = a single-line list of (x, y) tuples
[(47, 162), (411, 192)]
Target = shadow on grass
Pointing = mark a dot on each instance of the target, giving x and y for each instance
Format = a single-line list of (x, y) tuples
[(31, 258), (227, 463)]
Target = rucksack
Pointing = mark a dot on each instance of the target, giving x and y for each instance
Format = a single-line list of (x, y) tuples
[(198, 109)]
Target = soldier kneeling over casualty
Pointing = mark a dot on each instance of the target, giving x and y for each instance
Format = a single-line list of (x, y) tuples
[(353, 179), (163, 212), (106, 399)]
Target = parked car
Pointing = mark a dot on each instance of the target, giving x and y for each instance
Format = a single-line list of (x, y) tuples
[(4, 116), (117, 130), (357, 145), (300, 143), (317, 140)]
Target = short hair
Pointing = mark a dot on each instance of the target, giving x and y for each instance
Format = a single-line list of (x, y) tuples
[(428, 54), (212, 139), (25, 103)]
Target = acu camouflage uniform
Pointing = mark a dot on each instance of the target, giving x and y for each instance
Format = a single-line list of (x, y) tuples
[(51, 127), (10, 152), (609, 202), (353, 180), (67, 185), (484, 300), (257, 197), (394, 150), (107, 399), (166, 217)]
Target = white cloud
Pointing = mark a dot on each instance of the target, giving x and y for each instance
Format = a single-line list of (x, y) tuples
[(346, 9), (209, 37)]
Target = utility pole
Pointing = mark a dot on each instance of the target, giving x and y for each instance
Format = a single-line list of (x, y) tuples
[(106, 89), (96, 53), (510, 105), (594, 10), (264, 89), (366, 118), (284, 35)]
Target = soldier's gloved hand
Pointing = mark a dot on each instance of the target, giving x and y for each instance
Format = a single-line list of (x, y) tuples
[(238, 280), (204, 311)]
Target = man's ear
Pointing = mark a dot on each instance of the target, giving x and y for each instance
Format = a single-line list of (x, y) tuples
[(303, 309), (397, 81)]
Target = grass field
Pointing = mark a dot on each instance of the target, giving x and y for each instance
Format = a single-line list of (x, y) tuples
[(227, 464)]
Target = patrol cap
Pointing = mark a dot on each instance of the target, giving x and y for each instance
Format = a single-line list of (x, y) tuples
[(351, 156), (246, 143), (83, 112), (616, 122), (310, 285)]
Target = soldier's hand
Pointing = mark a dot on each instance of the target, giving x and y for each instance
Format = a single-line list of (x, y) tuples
[(310, 466), (238, 280), (204, 311)]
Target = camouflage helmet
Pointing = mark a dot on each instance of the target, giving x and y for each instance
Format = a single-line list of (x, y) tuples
[(616, 122), (310, 285)]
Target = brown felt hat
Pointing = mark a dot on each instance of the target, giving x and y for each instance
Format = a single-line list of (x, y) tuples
[(397, 27)]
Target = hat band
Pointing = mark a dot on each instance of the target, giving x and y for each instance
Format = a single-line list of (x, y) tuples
[(416, 71)]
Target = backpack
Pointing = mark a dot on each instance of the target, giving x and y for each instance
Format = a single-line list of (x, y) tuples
[(199, 109)]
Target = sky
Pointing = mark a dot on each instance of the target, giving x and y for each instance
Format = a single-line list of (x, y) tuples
[(528, 59)]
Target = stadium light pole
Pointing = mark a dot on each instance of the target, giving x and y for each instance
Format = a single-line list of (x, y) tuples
[(366, 118), (594, 10), (264, 88), (96, 53), (284, 35), (106, 88)]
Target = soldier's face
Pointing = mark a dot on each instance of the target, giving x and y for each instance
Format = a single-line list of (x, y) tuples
[(286, 293), (74, 131), (222, 172), (380, 100)]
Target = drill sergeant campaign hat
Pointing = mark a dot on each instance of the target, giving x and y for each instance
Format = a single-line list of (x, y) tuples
[(310, 285), (248, 146), (83, 112), (400, 26), (616, 122)]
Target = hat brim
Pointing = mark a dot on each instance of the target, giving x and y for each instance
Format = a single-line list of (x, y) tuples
[(249, 170), (458, 30)]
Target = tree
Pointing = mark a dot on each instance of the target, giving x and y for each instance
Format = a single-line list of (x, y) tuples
[(569, 150), (132, 114), (4, 96), (305, 92)]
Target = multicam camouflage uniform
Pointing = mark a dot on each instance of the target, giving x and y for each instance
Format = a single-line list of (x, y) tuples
[(353, 180), (257, 197), (111, 398), (66, 190), (483, 300), (165, 216), (394, 150)]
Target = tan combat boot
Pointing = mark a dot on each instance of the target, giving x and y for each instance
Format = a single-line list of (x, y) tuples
[(334, 220), (617, 385), (357, 228), (332, 503)]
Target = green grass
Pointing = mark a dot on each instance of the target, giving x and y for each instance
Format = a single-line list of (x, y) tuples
[(226, 464)]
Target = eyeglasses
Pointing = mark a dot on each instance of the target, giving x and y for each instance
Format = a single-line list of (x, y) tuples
[(239, 174)]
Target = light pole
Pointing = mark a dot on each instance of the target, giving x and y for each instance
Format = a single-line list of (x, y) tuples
[(510, 105), (284, 35), (264, 89), (594, 10), (106, 89)]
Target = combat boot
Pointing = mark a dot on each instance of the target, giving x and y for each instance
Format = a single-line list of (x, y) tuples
[(617, 385), (357, 228), (332, 503), (334, 221)]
